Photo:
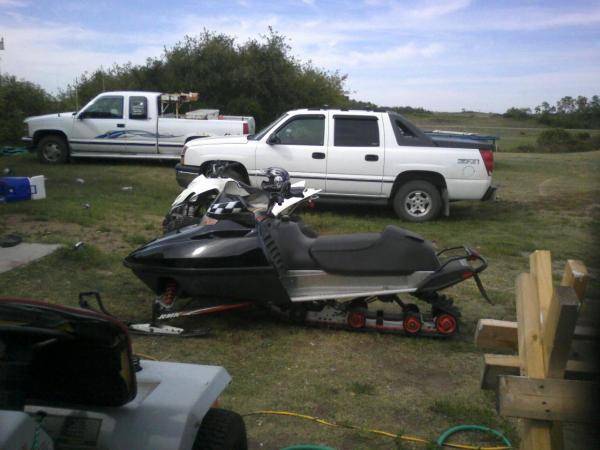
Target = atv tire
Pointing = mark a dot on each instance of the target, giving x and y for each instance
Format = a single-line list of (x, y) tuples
[(221, 430)]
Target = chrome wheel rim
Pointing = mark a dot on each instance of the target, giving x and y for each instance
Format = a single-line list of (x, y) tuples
[(417, 203), (52, 152)]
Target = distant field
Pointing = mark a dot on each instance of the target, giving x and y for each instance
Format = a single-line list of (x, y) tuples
[(394, 383), (512, 133)]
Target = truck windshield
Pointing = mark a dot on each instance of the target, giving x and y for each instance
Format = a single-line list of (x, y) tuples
[(258, 136)]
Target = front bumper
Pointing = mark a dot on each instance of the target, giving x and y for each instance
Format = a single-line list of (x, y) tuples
[(185, 174), (490, 194), (28, 141)]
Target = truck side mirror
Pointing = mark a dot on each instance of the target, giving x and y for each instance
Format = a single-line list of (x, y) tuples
[(273, 140), (82, 115)]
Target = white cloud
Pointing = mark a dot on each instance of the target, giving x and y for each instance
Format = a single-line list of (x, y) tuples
[(433, 9), (13, 3), (411, 56)]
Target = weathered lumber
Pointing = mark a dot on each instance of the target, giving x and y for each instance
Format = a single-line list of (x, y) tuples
[(496, 334), (497, 365), (540, 264), (548, 399), (502, 334), (536, 434), (576, 276), (558, 329)]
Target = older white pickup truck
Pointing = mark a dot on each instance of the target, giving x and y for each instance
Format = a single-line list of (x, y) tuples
[(357, 156), (125, 124)]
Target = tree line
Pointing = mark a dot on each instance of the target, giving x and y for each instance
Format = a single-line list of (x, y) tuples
[(259, 77), (568, 112)]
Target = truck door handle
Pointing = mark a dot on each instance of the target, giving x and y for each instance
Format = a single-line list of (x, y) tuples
[(318, 155), (121, 125), (371, 157)]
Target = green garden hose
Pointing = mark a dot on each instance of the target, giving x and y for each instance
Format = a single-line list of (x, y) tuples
[(450, 431)]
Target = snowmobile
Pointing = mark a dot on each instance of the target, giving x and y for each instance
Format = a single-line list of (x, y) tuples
[(249, 249)]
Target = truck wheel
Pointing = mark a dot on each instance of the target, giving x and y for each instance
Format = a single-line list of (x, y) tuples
[(52, 149), (417, 201), (221, 430), (234, 174)]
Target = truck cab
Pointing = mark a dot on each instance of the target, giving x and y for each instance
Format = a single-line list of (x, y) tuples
[(122, 124)]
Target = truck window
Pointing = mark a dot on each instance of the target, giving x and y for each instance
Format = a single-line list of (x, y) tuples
[(356, 131), (107, 107), (303, 130), (138, 108)]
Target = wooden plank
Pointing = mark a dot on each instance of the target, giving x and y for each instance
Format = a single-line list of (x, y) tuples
[(497, 365), (503, 334), (540, 263), (529, 328), (537, 435), (548, 399), (496, 334), (558, 330), (576, 275)]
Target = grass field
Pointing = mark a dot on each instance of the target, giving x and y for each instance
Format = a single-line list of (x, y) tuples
[(512, 133), (394, 383)]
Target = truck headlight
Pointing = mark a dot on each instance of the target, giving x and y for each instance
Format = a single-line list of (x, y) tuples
[(185, 147)]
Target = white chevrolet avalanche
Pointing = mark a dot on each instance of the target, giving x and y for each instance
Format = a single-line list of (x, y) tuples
[(356, 156)]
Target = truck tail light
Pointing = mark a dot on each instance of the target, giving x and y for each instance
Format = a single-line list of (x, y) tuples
[(488, 160), (246, 129)]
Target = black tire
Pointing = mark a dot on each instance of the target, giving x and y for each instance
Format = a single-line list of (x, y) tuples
[(234, 174), (221, 430), (53, 149), (417, 201)]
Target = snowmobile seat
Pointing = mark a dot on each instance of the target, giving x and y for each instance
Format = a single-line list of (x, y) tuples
[(394, 251)]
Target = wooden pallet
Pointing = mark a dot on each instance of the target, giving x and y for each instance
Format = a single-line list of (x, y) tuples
[(553, 377)]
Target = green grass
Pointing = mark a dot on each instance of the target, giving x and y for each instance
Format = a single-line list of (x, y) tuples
[(420, 386), (513, 133)]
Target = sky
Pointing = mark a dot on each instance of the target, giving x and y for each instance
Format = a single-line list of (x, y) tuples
[(447, 55)]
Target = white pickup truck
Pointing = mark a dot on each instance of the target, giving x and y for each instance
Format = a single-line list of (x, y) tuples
[(357, 156), (125, 124)]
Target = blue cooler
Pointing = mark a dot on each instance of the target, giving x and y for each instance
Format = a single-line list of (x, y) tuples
[(14, 189)]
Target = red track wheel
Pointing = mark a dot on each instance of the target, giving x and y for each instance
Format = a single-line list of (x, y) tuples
[(356, 320), (412, 324), (446, 324)]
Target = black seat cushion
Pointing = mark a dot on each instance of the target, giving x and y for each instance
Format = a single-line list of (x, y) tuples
[(395, 251)]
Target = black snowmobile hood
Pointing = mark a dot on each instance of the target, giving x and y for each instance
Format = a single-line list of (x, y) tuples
[(190, 236)]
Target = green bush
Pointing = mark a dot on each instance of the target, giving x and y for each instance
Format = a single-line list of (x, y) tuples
[(559, 140), (18, 100)]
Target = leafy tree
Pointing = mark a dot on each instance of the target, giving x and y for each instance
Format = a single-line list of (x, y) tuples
[(518, 113), (18, 100), (258, 78)]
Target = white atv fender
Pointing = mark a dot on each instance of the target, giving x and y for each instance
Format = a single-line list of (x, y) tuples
[(198, 186), (202, 185)]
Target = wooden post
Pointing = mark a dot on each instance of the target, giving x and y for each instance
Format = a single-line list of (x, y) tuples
[(558, 330), (536, 434), (540, 266), (576, 276)]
